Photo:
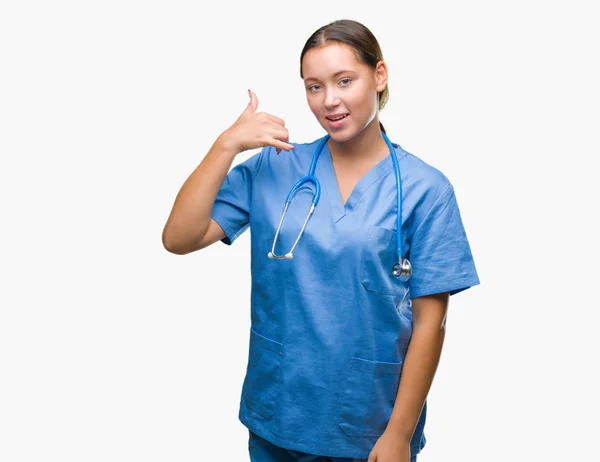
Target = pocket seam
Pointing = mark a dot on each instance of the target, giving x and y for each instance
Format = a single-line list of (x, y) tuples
[(266, 343), (376, 367)]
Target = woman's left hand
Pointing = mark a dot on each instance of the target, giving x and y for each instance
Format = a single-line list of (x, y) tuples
[(390, 448)]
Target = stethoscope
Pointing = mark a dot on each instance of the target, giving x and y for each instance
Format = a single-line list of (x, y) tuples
[(403, 269)]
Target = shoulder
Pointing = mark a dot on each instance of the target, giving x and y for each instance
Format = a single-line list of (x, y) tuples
[(426, 180), (297, 159), (307, 147)]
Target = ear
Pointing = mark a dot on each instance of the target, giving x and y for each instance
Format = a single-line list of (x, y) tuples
[(381, 76)]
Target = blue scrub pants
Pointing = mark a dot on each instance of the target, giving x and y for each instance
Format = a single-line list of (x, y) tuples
[(262, 450)]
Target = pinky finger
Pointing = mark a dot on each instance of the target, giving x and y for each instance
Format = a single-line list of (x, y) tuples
[(280, 145)]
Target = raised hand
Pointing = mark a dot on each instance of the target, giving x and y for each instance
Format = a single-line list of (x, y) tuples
[(254, 129)]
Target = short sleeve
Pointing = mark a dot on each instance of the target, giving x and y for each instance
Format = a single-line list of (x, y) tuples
[(440, 254), (232, 204)]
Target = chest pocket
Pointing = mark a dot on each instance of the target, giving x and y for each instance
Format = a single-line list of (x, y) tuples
[(377, 260)]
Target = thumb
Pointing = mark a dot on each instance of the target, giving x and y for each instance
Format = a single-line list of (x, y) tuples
[(253, 103)]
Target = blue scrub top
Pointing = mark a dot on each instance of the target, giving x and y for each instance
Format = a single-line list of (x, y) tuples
[(330, 327)]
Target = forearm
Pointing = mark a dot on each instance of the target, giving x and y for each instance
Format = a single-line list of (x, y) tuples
[(418, 370), (191, 212)]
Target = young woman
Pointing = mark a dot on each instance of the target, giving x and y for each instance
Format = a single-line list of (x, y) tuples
[(347, 316)]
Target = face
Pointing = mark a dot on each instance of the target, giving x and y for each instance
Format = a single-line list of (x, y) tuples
[(338, 84)]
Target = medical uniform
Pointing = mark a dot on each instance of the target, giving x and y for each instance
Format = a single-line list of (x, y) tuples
[(330, 327)]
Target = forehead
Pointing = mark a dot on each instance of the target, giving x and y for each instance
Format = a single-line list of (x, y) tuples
[(324, 61)]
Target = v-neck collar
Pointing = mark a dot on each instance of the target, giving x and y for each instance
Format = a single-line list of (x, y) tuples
[(330, 184)]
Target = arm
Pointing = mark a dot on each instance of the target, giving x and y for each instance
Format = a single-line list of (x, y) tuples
[(189, 226), (420, 364)]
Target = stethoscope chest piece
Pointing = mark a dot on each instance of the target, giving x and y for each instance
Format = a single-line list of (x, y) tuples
[(402, 271)]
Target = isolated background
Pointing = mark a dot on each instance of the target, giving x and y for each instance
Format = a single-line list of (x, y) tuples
[(113, 349)]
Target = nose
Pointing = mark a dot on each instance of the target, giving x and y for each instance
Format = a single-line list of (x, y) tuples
[(331, 99)]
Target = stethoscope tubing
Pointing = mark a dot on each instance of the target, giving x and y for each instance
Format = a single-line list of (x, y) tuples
[(402, 269)]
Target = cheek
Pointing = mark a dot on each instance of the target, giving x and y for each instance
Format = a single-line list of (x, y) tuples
[(312, 104), (365, 103), (355, 98)]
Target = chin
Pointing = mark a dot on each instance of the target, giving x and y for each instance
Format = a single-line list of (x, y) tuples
[(339, 136)]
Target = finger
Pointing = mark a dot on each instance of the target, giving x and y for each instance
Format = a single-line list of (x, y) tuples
[(281, 146), (275, 119), (253, 103), (282, 135)]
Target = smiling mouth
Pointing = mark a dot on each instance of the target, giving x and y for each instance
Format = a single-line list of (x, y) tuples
[(338, 118)]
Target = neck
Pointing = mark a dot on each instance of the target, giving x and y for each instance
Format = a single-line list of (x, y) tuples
[(368, 146)]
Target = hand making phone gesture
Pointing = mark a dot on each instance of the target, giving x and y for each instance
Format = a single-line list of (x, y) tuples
[(254, 129)]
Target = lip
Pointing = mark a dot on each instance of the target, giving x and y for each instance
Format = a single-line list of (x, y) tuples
[(336, 115), (337, 123)]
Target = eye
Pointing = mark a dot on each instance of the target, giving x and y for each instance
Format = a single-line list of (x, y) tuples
[(311, 87), (348, 80)]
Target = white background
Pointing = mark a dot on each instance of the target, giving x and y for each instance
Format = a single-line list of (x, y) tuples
[(113, 349)]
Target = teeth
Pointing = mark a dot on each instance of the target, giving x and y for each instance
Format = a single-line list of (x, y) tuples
[(339, 118)]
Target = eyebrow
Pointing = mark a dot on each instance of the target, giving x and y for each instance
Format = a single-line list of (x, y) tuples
[(334, 75)]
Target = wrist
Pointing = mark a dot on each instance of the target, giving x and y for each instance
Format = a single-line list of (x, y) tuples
[(226, 144), (400, 430)]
